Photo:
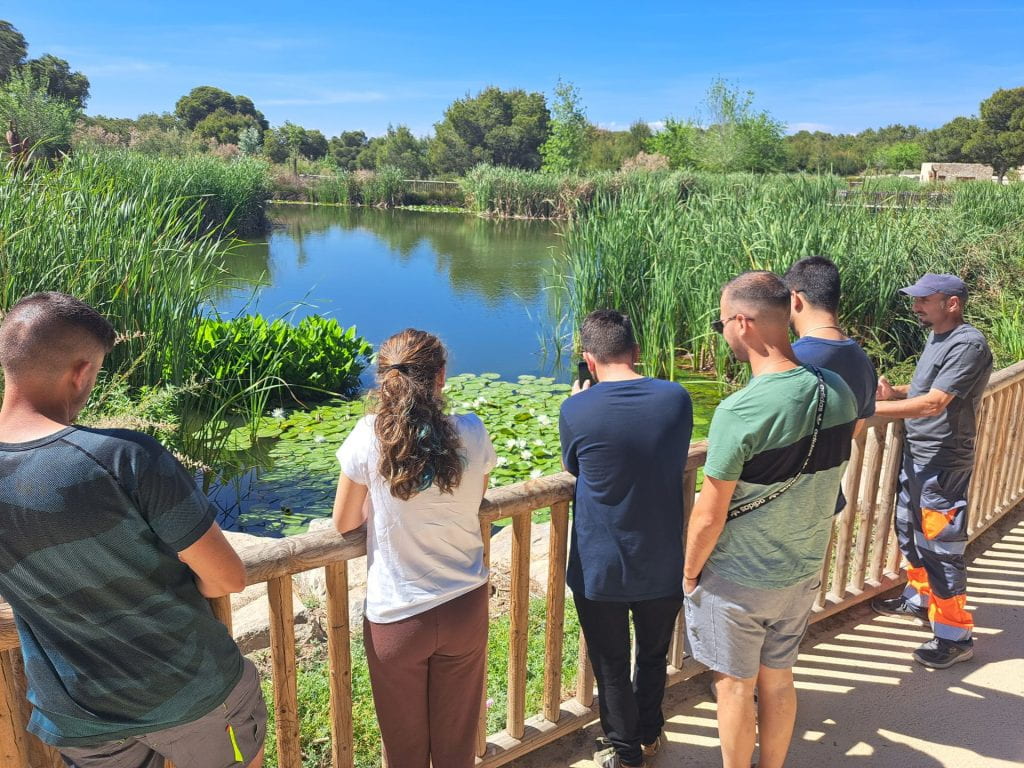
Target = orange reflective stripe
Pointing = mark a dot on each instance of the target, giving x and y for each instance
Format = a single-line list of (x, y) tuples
[(951, 611), (934, 520), (918, 579)]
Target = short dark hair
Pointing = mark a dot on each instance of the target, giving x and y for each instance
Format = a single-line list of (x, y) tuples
[(817, 278), (607, 335), (42, 331), (762, 291)]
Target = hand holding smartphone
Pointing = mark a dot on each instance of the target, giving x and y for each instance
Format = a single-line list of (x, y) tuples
[(583, 375)]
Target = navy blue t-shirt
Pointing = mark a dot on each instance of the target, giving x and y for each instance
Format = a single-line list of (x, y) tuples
[(848, 360), (627, 442)]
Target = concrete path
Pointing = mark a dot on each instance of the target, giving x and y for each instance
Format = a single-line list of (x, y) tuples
[(865, 702)]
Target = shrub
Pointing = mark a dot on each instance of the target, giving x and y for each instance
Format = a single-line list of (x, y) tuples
[(316, 356)]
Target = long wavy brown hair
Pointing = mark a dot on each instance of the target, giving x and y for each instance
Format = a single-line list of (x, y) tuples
[(419, 445)]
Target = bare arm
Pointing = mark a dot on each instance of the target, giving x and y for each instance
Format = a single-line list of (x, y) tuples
[(887, 391), (706, 524), (931, 403), (349, 505), (858, 427), (217, 567)]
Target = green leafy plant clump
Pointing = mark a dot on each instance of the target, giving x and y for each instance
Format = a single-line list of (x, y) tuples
[(314, 356)]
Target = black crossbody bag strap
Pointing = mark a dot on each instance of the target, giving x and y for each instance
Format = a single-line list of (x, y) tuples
[(819, 417)]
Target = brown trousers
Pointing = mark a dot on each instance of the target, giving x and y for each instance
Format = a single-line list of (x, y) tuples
[(427, 674)]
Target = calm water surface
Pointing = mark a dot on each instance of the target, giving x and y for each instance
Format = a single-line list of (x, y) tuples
[(481, 285)]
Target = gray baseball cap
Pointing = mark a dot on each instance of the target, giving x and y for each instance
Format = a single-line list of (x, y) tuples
[(930, 283)]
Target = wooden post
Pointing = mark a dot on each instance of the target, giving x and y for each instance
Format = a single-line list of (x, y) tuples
[(826, 567), (584, 676), (677, 649), (519, 617), (13, 747), (851, 489), (221, 607), (554, 631), (891, 464), (481, 727), (282, 651), (868, 494), (339, 652)]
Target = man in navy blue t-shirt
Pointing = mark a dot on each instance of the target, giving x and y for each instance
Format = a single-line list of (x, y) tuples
[(814, 286), (626, 440)]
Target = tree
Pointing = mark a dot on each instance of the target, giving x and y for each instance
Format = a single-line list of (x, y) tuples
[(999, 139), (13, 49), (201, 102), (946, 143), (224, 126), (901, 156), (566, 145), (400, 149), (42, 122), (735, 137), (495, 126), (345, 147), (249, 141), (56, 77), (678, 141)]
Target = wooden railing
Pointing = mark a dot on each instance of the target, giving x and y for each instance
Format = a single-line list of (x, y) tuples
[(862, 560)]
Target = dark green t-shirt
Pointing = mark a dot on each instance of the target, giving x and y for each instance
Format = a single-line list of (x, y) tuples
[(760, 437), (117, 639)]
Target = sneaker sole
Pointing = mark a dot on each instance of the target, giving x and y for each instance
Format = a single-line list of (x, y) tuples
[(900, 615), (965, 656)]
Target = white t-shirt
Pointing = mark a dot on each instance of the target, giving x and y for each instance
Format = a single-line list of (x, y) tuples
[(425, 551)]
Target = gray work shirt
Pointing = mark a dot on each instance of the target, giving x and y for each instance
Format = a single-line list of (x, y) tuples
[(958, 363)]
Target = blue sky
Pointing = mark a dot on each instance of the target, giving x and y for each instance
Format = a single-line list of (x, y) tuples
[(340, 66)]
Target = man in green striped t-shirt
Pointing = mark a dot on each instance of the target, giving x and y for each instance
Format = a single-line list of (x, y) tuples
[(777, 450)]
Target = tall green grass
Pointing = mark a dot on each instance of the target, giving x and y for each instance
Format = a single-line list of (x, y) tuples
[(662, 256), (142, 256), (230, 194)]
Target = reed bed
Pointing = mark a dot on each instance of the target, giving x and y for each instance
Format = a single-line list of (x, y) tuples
[(231, 194), (662, 256)]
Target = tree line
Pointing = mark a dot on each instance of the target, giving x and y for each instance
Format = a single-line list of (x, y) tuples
[(513, 128)]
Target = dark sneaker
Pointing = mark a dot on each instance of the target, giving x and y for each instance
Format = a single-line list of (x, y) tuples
[(650, 751), (605, 756), (939, 654), (898, 606)]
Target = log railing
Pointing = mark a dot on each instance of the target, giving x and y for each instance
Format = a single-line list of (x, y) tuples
[(862, 560)]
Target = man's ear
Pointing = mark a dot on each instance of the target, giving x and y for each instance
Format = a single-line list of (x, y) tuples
[(796, 302), (590, 360), (81, 374)]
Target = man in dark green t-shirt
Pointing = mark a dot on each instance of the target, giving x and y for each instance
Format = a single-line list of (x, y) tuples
[(756, 540), (108, 552)]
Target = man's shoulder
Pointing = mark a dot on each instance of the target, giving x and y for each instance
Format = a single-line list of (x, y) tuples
[(90, 438)]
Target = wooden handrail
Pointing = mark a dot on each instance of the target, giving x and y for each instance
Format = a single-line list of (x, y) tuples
[(862, 561)]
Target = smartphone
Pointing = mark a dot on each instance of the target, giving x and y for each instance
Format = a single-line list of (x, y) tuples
[(583, 373)]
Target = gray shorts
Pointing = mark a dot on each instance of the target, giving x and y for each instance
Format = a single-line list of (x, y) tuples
[(233, 730), (735, 630)]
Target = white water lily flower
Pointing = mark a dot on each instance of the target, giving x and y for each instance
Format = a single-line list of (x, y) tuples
[(520, 443), (538, 441), (511, 443), (278, 413), (464, 404), (501, 462), (526, 455), (544, 419), (535, 474), (319, 439)]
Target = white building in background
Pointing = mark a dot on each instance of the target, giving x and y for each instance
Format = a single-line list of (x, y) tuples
[(956, 172)]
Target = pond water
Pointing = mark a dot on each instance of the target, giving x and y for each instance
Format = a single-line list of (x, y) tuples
[(481, 285), (485, 287)]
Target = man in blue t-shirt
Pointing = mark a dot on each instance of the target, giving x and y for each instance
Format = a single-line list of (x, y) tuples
[(626, 440), (107, 553), (814, 286)]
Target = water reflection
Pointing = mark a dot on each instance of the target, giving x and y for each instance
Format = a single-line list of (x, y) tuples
[(480, 284)]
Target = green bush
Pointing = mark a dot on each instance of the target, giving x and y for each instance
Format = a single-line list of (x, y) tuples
[(316, 356)]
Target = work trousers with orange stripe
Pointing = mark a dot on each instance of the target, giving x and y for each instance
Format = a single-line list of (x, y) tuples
[(931, 527)]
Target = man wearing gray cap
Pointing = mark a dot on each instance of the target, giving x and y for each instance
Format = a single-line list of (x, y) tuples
[(940, 409)]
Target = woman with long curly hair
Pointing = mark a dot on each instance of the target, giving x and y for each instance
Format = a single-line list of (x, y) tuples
[(416, 477)]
